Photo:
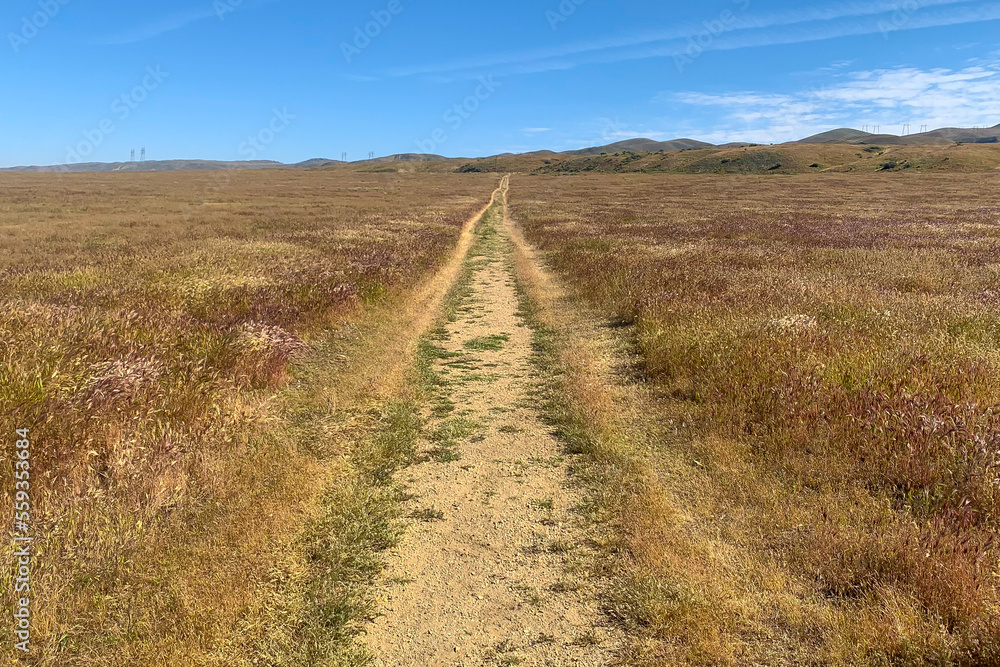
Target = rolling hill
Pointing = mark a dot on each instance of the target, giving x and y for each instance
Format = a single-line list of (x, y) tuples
[(940, 137), (642, 146), (151, 165), (686, 155), (785, 159), (214, 165)]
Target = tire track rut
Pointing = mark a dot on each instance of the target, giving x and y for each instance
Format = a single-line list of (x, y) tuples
[(495, 568)]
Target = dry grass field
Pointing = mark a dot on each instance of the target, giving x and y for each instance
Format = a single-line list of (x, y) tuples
[(184, 350), (813, 466), (781, 391)]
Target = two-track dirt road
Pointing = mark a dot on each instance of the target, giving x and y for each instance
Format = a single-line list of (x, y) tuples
[(495, 567)]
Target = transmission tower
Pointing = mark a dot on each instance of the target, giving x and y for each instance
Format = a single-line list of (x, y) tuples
[(371, 155), (343, 157), (132, 157), (143, 156)]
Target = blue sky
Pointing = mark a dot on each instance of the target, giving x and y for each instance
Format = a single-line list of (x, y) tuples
[(293, 79)]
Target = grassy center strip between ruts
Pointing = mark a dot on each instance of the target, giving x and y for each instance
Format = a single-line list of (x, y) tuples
[(205, 383)]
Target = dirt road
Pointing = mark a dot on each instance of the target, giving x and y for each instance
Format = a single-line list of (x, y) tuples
[(494, 568)]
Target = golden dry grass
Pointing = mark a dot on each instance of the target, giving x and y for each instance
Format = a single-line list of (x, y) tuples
[(195, 355), (809, 474)]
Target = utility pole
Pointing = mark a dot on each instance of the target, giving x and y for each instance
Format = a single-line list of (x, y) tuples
[(343, 157), (371, 155)]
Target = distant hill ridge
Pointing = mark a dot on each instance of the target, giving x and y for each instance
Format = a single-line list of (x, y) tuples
[(643, 146), (842, 136), (211, 165), (943, 136)]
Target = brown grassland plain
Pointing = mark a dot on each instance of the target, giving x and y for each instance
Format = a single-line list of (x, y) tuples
[(197, 357), (811, 474)]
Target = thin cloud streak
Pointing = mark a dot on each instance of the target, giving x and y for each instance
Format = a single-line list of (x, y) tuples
[(745, 32), (151, 30), (172, 23), (736, 41)]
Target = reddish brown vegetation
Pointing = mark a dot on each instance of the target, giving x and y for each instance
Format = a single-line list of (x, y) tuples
[(146, 319), (827, 353)]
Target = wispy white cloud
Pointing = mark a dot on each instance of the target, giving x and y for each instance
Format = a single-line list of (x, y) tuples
[(176, 22), (157, 28), (536, 130), (888, 97), (744, 30), (832, 68), (925, 18)]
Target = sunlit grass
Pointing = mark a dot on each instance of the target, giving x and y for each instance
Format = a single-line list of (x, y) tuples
[(149, 341), (825, 421)]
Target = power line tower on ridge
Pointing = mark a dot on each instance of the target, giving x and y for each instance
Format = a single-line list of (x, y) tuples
[(143, 157), (132, 157)]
